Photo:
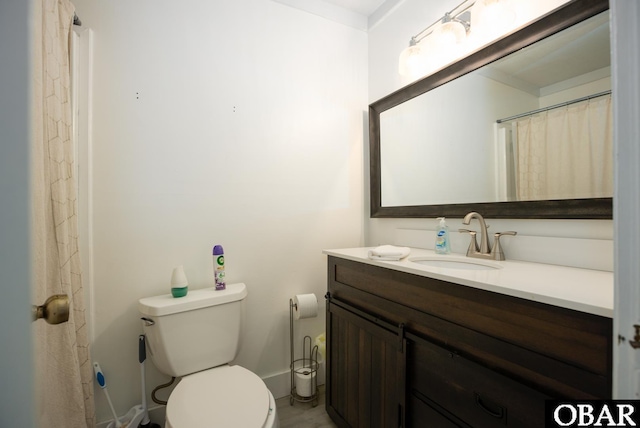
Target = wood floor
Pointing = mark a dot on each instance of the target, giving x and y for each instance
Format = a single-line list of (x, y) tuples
[(303, 415)]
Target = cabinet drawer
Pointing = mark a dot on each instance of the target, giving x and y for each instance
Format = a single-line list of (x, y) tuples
[(420, 414), (469, 391)]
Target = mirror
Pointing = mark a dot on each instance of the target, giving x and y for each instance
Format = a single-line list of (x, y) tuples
[(549, 79)]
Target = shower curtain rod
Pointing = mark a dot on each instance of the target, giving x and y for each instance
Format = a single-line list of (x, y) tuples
[(76, 20), (566, 103)]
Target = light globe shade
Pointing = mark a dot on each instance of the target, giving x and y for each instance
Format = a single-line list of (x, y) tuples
[(449, 34), (447, 41), (492, 18), (426, 57), (413, 60)]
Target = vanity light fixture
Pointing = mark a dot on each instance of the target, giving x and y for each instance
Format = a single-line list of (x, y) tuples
[(444, 40), (440, 39)]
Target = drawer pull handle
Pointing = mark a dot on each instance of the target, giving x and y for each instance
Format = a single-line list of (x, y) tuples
[(499, 411)]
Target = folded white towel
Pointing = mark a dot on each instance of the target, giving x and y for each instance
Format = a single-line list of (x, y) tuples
[(389, 252)]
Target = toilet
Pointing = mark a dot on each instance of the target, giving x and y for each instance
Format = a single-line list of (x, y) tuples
[(195, 337)]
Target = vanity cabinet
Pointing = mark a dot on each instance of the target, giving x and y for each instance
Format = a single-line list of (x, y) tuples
[(409, 350)]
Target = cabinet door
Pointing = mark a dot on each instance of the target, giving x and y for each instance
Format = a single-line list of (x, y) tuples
[(365, 370)]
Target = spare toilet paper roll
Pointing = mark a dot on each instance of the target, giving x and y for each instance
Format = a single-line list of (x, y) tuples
[(306, 306), (321, 343), (304, 382)]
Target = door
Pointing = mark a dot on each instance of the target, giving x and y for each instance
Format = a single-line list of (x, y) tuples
[(16, 370), (366, 369), (625, 42)]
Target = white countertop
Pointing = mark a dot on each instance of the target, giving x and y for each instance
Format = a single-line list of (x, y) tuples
[(583, 290)]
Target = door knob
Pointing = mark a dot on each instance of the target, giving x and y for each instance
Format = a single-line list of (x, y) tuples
[(54, 311)]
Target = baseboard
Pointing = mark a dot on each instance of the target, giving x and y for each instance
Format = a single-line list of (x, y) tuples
[(156, 415)]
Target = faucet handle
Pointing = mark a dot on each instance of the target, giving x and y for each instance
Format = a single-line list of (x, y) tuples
[(497, 253), (473, 245)]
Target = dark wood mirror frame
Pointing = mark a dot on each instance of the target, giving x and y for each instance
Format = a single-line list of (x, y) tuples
[(557, 20)]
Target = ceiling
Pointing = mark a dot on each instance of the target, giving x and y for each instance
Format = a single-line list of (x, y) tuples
[(552, 63), (359, 14), (363, 7)]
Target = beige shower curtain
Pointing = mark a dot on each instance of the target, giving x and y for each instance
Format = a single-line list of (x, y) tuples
[(566, 153), (64, 374)]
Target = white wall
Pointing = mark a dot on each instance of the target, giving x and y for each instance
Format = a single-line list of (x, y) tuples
[(386, 41), (237, 123)]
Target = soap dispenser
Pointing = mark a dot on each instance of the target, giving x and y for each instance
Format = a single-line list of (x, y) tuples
[(442, 238)]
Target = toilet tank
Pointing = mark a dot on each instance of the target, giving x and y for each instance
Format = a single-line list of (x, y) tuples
[(196, 332)]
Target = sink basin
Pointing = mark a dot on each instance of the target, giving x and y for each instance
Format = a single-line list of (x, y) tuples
[(456, 263)]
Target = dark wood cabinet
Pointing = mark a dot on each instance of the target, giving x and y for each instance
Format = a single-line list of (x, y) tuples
[(457, 356), (467, 391), (366, 364)]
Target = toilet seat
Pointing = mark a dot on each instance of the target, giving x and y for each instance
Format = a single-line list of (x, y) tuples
[(225, 396)]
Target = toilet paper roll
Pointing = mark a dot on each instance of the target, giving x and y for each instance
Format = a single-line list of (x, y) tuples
[(321, 343), (305, 380), (306, 306)]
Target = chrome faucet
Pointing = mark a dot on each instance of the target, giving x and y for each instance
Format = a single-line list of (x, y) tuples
[(484, 251), (484, 240)]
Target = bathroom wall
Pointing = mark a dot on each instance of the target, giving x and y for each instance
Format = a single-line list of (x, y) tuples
[(571, 242), (238, 123)]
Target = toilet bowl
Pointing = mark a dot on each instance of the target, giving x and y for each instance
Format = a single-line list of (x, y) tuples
[(195, 338), (226, 396)]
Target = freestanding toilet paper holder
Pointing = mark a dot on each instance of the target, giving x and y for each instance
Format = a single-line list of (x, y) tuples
[(304, 371)]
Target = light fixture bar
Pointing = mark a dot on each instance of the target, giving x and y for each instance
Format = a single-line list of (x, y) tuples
[(452, 15)]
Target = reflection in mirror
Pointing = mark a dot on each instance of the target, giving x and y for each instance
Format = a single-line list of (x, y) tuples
[(535, 125)]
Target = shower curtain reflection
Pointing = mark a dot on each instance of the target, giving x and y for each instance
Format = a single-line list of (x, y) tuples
[(566, 152), (64, 380)]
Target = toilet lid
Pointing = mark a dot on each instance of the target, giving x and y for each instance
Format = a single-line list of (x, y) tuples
[(225, 396)]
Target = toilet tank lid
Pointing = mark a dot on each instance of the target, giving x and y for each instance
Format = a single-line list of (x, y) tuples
[(166, 304)]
